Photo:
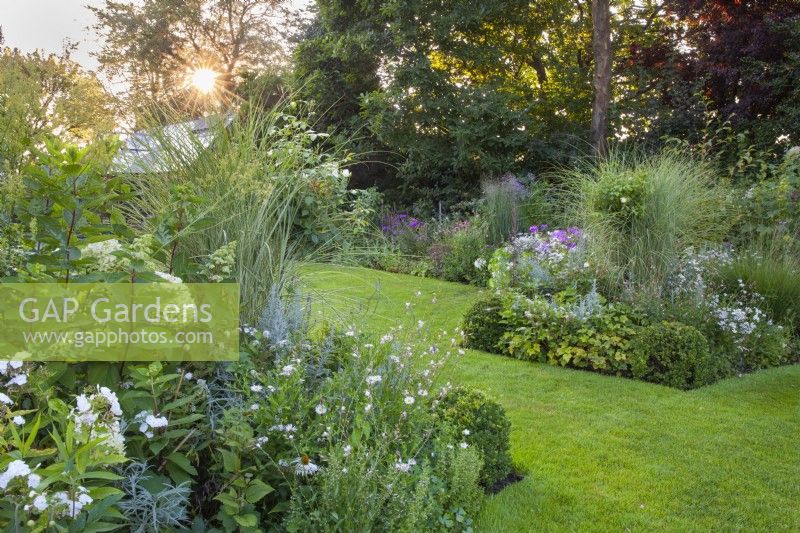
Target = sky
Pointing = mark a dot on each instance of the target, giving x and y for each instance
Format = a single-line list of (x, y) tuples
[(46, 24)]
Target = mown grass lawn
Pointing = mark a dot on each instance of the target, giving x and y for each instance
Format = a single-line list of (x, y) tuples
[(602, 453)]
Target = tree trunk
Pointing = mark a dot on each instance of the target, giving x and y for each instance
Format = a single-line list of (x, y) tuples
[(601, 47)]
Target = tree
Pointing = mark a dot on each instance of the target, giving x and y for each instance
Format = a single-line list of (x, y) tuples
[(738, 60), (154, 45), (44, 95), (456, 91), (601, 48)]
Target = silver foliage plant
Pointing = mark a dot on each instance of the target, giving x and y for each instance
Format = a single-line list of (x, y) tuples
[(147, 512)]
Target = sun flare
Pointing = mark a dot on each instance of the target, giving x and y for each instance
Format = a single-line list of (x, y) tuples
[(203, 80)]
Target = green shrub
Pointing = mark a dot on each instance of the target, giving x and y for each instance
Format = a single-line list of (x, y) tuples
[(481, 422), (483, 325), (672, 354), (568, 331), (775, 201)]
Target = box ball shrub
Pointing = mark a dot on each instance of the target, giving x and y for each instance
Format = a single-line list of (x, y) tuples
[(672, 354), (482, 423), (483, 325)]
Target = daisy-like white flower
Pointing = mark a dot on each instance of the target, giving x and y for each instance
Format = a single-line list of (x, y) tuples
[(408, 400), (254, 407), (321, 409), (304, 467), (287, 370), (347, 450), (464, 445), (372, 380), (256, 388), (466, 432), (18, 420), (260, 441)]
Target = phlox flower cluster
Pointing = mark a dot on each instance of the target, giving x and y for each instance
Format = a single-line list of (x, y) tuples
[(539, 258), (97, 416)]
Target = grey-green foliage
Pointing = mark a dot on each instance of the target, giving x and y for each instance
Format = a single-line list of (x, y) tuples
[(148, 512), (284, 319)]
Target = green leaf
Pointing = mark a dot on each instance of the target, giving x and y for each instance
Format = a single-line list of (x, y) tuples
[(182, 461), (230, 461), (256, 491), (246, 520)]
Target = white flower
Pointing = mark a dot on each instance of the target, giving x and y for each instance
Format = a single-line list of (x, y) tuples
[(368, 408), (113, 402), (169, 277), (73, 507), (466, 432), (188, 376), (464, 445), (15, 469), (34, 480), (321, 409), (623, 200), (149, 421), (260, 441), (480, 263), (287, 370), (5, 399), (304, 467), (372, 380), (256, 388), (404, 466), (156, 421), (82, 404), (254, 407), (19, 379), (408, 400), (40, 503), (347, 450), (18, 420), (351, 332)]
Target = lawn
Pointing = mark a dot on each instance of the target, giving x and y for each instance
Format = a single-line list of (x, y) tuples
[(602, 453)]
